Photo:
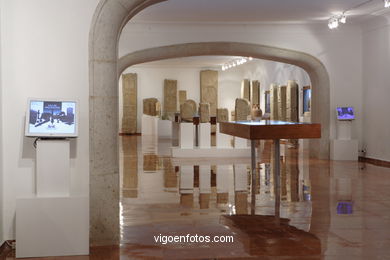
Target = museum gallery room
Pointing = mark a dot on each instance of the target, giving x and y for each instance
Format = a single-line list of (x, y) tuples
[(194, 129)]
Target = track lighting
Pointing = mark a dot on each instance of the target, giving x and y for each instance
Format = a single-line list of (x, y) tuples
[(235, 63), (335, 20), (387, 3)]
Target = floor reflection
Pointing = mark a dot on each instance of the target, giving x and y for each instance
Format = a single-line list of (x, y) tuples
[(173, 196)]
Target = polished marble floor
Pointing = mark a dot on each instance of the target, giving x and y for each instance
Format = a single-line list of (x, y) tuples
[(329, 209)]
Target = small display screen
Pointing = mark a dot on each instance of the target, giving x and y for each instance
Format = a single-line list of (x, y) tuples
[(345, 113), (51, 118)]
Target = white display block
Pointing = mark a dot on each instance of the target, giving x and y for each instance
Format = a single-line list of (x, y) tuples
[(240, 142), (149, 125), (204, 179), (186, 139), (212, 152), (345, 150), (53, 168), (52, 227), (186, 179), (204, 135), (223, 140), (164, 128), (344, 129), (240, 177)]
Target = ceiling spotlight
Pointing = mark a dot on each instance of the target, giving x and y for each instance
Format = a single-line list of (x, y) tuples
[(387, 3), (333, 23), (250, 58)]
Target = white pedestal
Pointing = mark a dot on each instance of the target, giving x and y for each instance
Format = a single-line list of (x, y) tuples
[(240, 142), (344, 129), (223, 140), (204, 179), (149, 125), (186, 139), (204, 135), (240, 177), (164, 128), (53, 168), (52, 227), (346, 150), (186, 179)]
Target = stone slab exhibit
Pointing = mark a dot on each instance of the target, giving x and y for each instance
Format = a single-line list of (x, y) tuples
[(292, 113), (282, 103), (245, 89), (204, 112), (182, 96), (273, 90), (129, 94), (222, 115), (255, 92), (242, 109), (209, 89), (151, 107), (170, 97), (188, 110)]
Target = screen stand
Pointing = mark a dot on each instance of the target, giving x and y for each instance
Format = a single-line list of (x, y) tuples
[(52, 223), (344, 147)]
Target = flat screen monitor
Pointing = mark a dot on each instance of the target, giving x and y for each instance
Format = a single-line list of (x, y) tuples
[(345, 113), (51, 118)]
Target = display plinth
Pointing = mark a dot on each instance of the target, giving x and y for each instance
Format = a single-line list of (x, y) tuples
[(149, 125), (204, 135), (52, 227), (53, 168), (186, 136), (223, 140), (344, 150), (344, 129)]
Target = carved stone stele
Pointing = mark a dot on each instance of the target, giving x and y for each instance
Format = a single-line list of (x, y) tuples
[(292, 113), (209, 89), (188, 110), (170, 97), (182, 97), (129, 94), (282, 103), (245, 89), (273, 90), (243, 109), (255, 92), (222, 115), (151, 107), (204, 112)]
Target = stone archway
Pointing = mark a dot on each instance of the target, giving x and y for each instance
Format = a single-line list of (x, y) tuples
[(109, 19)]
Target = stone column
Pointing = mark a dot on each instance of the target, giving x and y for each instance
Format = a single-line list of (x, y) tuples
[(129, 94)]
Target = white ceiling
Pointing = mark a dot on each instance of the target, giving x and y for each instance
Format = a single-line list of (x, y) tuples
[(191, 62), (252, 11)]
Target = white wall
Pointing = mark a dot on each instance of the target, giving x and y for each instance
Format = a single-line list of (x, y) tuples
[(376, 87), (45, 55), (151, 81), (340, 50)]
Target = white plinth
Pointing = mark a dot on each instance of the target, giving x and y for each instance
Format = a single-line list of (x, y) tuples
[(53, 168), (186, 179), (149, 125), (52, 227), (344, 129), (164, 128), (240, 142), (204, 135), (240, 177), (186, 136), (346, 150), (223, 140), (204, 179)]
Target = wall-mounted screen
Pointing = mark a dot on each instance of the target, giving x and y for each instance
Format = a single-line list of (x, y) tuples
[(345, 113), (51, 118), (306, 99)]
